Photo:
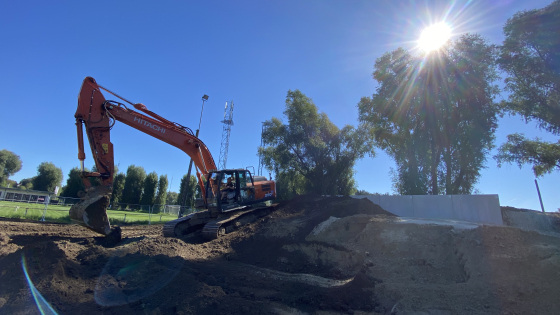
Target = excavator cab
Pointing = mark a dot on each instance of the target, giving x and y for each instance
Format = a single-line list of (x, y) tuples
[(228, 190)]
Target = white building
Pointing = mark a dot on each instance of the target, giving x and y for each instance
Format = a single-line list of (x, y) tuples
[(20, 195)]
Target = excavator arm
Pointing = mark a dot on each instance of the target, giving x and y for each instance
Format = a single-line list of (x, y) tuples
[(99, 115)]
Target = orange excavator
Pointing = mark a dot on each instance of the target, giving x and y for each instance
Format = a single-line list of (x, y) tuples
[(230, 197)]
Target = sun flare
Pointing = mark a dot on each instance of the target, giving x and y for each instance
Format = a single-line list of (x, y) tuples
[(434, 36)]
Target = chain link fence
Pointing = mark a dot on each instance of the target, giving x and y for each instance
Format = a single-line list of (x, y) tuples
[(172, 209), (55, 209)]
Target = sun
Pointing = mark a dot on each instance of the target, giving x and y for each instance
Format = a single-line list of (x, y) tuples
[(434, 36)]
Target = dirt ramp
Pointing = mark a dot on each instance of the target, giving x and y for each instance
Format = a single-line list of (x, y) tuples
[(547, 223)]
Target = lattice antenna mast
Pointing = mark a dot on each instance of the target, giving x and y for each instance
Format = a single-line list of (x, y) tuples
[(226, 132)]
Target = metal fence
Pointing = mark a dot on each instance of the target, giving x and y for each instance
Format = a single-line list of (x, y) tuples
[(39, 199), (68, 201), (172, 209), (22, 208)]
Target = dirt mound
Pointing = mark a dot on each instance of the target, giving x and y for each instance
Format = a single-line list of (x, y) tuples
[(279, 242), (546, 223), (313, 255), (4, 239)]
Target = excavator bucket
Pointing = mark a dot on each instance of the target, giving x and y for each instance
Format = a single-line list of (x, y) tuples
[(91, 210)]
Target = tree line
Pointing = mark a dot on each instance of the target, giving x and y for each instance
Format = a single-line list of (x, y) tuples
[(134, 187), (434, 113), (137, 187), (48, 175)]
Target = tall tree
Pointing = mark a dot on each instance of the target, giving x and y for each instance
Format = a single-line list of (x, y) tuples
[(48, 177), (187, 198), (289, 184), (74, 183), (132, 191), (172, 198), (435, 115), (530, 55), (311, 154), (10, 183), (27, 183), (150, 188), (118, 187), (10, 163), (96, 181), (161, 191)]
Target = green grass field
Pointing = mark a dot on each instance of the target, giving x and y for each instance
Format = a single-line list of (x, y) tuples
[(60, 214)]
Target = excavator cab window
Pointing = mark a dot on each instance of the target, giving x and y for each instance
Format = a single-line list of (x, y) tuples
[(246, 189), (228, 189), (212, 189)]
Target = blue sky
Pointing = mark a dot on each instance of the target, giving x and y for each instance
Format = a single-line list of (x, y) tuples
[(167, 54)]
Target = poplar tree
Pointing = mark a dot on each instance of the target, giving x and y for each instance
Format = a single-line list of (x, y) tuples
[(132, 191), (149, 191), (185, 197), (161, 192), (118, 187)]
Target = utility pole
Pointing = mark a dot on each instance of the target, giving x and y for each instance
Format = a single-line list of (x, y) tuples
[(187, 188), (261, 162), (539, 192)]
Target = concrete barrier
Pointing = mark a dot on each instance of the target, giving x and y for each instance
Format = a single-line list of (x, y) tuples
[(433, 207), (402, 205), (474, 208)]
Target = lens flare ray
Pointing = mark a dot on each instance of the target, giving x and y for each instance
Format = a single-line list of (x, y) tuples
[(42, 305)]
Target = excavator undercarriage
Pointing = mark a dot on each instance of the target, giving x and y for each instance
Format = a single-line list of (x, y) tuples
[(213, 227)]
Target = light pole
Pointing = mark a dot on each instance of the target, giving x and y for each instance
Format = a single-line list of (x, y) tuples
[(187, 185)]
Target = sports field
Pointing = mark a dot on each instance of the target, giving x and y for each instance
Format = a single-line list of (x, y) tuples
[(22, 210)]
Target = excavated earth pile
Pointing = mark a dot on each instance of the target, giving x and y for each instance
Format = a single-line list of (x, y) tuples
[(313, 255)]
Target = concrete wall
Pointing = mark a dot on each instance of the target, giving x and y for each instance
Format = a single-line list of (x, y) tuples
[(475, 208)]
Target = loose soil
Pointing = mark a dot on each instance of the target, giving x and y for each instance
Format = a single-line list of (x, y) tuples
[(313, 255)]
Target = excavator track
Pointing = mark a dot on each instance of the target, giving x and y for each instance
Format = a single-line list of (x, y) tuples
[(230, 222), (213, 227), (186, 224)]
